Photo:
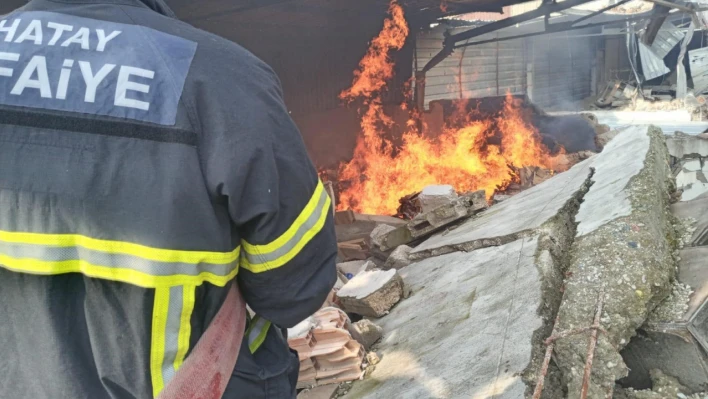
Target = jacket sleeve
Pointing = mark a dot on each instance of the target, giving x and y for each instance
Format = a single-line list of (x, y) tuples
[(254, 159)]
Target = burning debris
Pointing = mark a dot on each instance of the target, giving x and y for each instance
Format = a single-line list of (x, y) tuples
[(470, 153)]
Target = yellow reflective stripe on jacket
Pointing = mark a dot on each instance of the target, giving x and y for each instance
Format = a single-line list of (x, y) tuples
[(260, 258), (171, 329), (52, 254), (257, 332)]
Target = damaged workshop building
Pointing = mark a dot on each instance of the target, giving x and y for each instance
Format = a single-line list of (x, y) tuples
[(520, 191)]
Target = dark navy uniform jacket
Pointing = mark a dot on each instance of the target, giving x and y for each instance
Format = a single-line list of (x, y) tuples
[(145, 166)]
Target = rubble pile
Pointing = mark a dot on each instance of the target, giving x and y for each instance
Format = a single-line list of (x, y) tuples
[(523, 291), (328, 354), (489, 288)]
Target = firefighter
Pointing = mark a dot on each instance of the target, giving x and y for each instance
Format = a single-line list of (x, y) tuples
[(150, 177)]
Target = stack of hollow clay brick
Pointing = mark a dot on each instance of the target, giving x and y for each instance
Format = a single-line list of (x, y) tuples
[(328, 353)]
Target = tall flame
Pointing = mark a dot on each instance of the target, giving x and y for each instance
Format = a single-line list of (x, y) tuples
[(471, 153)]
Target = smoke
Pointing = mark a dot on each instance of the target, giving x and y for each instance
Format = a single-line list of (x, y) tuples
[(572, 132)]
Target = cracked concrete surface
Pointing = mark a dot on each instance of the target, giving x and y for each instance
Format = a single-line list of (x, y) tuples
[(624, 247), (466, 331)]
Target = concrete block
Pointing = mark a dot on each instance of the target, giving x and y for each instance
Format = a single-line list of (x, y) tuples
[(372, 293), (395, 238), (379, 233), (475, 201), (399, 258), (366, 333), (433, 197)]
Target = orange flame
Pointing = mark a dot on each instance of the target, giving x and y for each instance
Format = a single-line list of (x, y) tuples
[(471, 153)]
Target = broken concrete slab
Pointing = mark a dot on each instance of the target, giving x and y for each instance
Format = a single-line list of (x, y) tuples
[(433, 197), (624, 246), (519, 216), (682, 145), (477, 309), (379, 233), (399, 258), (372, 293), (366, 333), (425, 223), (400, 236)]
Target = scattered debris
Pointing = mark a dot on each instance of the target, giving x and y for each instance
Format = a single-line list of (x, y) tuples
[(410, 206), (372, 293), (372, 358), (425, 224), (353, 250), (617, 93), (352, 268), (399, 258)]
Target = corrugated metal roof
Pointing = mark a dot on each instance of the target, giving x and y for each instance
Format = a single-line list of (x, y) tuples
[(667, 38), (652, 65)]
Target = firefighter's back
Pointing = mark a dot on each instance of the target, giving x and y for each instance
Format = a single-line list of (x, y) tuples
[(115, 248)]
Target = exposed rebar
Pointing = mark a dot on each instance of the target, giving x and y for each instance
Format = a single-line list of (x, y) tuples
[(591, 346)]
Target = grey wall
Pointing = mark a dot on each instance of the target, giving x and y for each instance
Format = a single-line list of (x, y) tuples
[(553, 70)]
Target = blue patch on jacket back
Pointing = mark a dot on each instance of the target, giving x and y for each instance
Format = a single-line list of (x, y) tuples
[(65, 63)]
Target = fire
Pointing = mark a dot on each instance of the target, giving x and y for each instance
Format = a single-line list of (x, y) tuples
[(471, 153)]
